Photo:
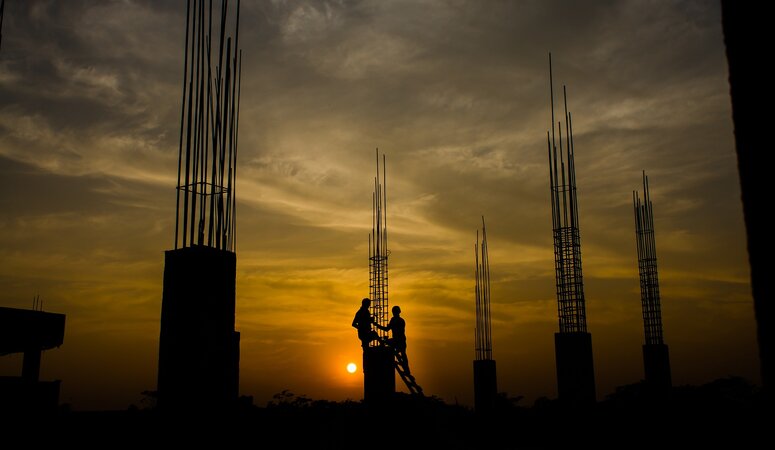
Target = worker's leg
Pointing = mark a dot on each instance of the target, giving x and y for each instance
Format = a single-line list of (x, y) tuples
[(403, 360)]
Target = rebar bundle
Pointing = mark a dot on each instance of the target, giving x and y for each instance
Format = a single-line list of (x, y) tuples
[(209, 123), (483, 333), (647, 264), (378, 252), (565, 222)]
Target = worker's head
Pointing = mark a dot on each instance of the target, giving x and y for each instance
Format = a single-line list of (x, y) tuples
[(396, 310), (365, 302)]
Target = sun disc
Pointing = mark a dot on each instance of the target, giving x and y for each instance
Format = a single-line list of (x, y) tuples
[(352, 367)]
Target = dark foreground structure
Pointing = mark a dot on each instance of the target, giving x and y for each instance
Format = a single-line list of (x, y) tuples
[(198, 345), (379, 379), (572, 344), (723, 413), (30, 332)]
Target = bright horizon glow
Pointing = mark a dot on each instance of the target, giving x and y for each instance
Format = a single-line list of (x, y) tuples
[(352, 367)]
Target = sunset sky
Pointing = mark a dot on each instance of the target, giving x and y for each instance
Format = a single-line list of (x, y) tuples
[(456, 95)]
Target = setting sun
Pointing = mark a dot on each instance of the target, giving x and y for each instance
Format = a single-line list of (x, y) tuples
[(351, 367)]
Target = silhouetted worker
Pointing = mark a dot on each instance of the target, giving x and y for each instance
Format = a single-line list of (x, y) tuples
[(362, 322), (397, 326)]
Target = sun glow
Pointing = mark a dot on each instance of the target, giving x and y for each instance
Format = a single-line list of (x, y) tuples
[(352, 367)]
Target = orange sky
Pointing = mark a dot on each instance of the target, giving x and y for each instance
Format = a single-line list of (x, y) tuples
[(456, 95)]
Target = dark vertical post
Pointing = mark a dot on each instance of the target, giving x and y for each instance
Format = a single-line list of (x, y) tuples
[(31, 364), (745, 30)]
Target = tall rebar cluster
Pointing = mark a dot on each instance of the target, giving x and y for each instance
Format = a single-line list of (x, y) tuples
[(647, 264), (378, 251), (572, 343), (483, 330), (209, 121), (565, 221)]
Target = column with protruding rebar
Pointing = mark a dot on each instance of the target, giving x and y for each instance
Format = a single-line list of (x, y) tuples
[(485, 380), (198, 345), (379, 382), (573, 344), (656, 359)]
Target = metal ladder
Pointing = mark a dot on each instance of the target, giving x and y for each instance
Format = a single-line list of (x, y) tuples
[(402, 367)]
